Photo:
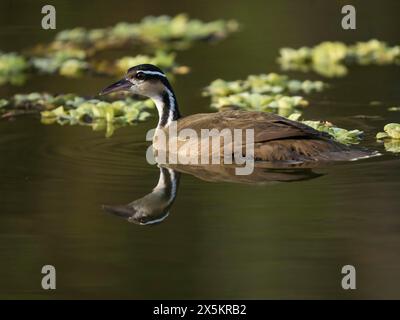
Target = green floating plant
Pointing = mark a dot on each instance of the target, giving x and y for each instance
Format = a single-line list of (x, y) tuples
[(162, 31), (264, 92), (3, 103), (271, 83), (280, 104), (162, 59), (12, 68), (331, 59), (72, 52), (390, 137), (339, 134), (100, 115), (342, 135), (75, 63), (391, 131), (75, 110), (67, 62)]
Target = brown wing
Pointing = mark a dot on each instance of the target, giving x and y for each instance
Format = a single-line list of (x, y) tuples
[(276, 138), (267, 126)]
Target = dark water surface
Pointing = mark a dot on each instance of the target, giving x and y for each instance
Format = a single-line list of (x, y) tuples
[(221, 240)]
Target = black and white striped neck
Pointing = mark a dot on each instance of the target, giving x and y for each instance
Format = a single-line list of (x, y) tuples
[(167, 107)]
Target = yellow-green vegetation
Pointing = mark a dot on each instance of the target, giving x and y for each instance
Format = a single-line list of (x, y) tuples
[(270, 83), (72, 52), (75, 110), (264, 92), (100, 115), (391, 131), (390, 137), (162, 59), (3, 103), (339, 134), (68, 62), (330, 59), (12, 68), (342, 135), (279, 104), (160, 32), (74, 63)]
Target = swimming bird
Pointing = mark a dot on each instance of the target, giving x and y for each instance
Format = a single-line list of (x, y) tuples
[(276, 139)]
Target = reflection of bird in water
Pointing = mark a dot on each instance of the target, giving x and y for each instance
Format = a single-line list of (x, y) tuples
[(276, 139), (154, 207), (259, 176)]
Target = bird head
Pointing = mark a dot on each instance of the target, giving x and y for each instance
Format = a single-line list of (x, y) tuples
[(144, 79)]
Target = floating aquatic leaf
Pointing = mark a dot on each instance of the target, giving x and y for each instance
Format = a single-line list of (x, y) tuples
[(271, 83), (295, 116), (342, 135), (390, 137), (71, 54), (162, 31), (3, 103), (73, 68), (75, 110), (331, 58), (374, 52), (161, 59), (12, 68), (329, 53), (74, 63), (70, 63), (100, 114), (391, 131), (282, 105)]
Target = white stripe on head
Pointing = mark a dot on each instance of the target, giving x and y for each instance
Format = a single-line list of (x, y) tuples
[(153, 73)]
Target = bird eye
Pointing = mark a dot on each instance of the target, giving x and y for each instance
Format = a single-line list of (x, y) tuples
[(140, 76)]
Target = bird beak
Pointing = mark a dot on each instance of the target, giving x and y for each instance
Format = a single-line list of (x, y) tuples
[(120, 85)]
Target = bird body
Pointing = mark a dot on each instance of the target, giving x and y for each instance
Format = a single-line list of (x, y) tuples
[(276, 139)]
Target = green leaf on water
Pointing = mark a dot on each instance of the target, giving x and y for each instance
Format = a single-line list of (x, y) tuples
[(342, 135), (391, 130), (75, 110), (271, 83), (3, 103), (390, 137), (12, 68), (382, 135), (282, 105), (164, 31), (71, 53), (265, 92), (330, 59)]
